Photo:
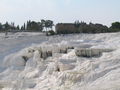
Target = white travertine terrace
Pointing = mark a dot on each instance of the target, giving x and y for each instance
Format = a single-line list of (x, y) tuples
[(48, 66)]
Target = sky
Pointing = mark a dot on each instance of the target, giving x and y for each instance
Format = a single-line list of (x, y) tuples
[(60, 11)]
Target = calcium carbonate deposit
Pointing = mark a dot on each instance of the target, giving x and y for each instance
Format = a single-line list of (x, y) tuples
[(69, 62)]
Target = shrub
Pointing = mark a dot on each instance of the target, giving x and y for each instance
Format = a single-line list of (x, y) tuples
[(51, 32)]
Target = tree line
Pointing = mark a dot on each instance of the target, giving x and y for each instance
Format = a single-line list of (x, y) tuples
[(47, 25), (82, 27), (28, 26)]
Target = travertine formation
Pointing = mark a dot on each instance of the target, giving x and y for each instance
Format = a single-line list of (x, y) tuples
[(72, 62)]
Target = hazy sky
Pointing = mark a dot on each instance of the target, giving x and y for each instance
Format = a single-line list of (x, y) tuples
[(96, 11)]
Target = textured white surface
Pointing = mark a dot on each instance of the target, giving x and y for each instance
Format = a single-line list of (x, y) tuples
[(63, 71)]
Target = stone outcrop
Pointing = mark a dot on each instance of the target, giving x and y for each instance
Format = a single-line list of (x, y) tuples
[(45, 54), (63, 65), (90, 52)]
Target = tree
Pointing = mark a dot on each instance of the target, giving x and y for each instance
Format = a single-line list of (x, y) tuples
[(12, 26), (82, 27), (24, 26), (18, 28), (115, 27), (43, 24), (77, 23), (47, 24), (0, 26), (7, 26), (40, 26), (33, 25), (28, 25)]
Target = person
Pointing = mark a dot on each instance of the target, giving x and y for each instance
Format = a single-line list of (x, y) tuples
[(6, 33)]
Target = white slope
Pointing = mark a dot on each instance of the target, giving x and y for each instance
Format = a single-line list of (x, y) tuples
[(17, 41), (62, 71)]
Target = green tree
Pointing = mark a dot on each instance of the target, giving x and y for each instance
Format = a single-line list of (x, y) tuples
[(0, 26), (43, 24), (47, 24), (7, 26), (18, 27), (24, 26), (115, 27), (77, 23)]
